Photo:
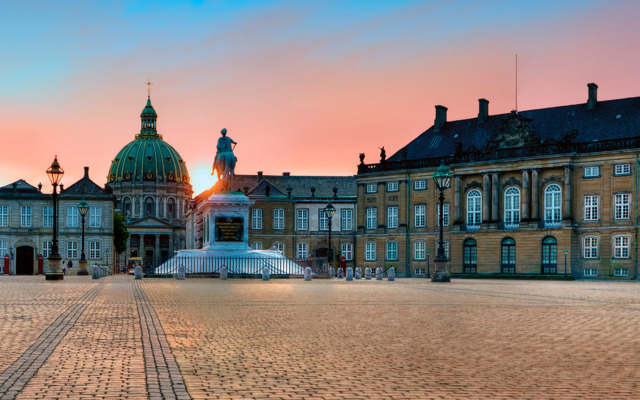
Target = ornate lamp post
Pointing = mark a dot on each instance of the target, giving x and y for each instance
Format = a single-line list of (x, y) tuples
[(442, 178), (428, 272), (83, 208), (54, 272), (565, 262), (329, 210)]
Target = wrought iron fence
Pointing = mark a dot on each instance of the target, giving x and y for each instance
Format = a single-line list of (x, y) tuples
[(241, 265)]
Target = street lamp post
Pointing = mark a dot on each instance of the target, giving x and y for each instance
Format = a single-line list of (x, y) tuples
[(329, 210), (442, 178), (428, 272), (54, 272), (83, 208), (565, 262)]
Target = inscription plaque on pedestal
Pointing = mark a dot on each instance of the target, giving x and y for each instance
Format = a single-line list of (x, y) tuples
[(229, 229)]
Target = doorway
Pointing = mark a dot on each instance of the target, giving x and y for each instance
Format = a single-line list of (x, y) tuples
[(24, 260)]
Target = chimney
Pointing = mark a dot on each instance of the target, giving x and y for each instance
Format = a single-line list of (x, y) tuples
[(593, 96), (286, 173), (441, 117), (86, 172), (483, 110), (259, 174)]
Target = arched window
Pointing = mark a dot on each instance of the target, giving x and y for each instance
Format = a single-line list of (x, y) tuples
[(512, 206), (171, 208), (470, 256), (508, 265), (549, 255), (149, 206), (126, 207), (552, 204), (474, 207)]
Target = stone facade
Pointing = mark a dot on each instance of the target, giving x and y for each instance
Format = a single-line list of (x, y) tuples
[(521, 193)]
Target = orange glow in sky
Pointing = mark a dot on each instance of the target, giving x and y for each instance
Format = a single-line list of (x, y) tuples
[(302, 87)]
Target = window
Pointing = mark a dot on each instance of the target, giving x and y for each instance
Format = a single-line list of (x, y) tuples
[(46, 248), (392, 186), (25, 216), (591, 172), (445, 215), (278, 218), (72, 249), (256, 218), (591, 208), (470, 256), (419, 271), (392, 251), (72, 217), (622, 205), (4, 250), (279, 246), (552, 202), (621, 272), (420, 185), (126, 207), (4, 216), (549, 255), (508, 265), (302, 219), (622, 169), (95, 217), (372, 188), (621, 247), (370, 251), (346, 219), (590, 272), (346, 249), (474, 207), (512, 206), (590, 247), (419, 250), (256, 246), (323, 221), (149, 206), (47, 217), (302, 250), (420, 216), (372, 218), (171, 208), (392, 217), (446, 249), (94, 250)]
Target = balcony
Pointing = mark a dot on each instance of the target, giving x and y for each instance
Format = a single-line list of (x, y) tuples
[(551, 224), (470, 227), (510, 226)]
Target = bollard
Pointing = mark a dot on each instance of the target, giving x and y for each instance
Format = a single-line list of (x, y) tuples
[(138, 272), (224, 272), (265, 273), (332, 272), (358, 273), (105, 271), (349, 274), (378, 274), (340, 273), (307, 274), (181, 273), (391, 274), (94, 272), (367, 273)]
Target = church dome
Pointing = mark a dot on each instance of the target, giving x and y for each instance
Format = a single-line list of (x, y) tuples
[(148, 157)]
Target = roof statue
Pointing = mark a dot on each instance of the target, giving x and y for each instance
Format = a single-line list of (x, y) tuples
[(225, 160)]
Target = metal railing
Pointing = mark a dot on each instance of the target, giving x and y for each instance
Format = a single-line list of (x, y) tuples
[(241, 265)]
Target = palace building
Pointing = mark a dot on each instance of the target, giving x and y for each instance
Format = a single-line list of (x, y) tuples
[(151, 183), (530, 189)]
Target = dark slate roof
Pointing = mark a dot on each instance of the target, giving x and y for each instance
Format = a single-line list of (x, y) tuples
[(610, 120), (300, 185), (84, 186), (19, 186)]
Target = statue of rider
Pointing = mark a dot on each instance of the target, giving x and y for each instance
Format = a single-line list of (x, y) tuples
[(225, 160)]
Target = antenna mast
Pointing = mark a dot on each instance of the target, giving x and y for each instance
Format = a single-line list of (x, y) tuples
[(516, 83)]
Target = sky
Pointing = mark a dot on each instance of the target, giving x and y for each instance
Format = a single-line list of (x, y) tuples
[(301, 86)]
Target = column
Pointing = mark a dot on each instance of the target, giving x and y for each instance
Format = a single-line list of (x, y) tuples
[(171, 246), (567, 192), (535, 212), (140, 208), (156, 252), (458, 184), (486, 193), (494, 197), (525, 195)]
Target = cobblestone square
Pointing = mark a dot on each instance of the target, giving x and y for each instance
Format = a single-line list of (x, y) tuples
[(326, 339)]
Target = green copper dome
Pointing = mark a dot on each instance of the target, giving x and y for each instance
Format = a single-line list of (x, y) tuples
[(148, 157)]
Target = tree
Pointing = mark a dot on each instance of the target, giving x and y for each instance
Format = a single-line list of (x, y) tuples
[(120, 233)]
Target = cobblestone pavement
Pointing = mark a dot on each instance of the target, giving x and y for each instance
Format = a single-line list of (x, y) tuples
[(325, 339)]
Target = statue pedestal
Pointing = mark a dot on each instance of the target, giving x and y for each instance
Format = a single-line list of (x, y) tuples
[(441, 274), (82, 267), (226, 222)]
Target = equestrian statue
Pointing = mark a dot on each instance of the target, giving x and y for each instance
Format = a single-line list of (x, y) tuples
[(225, 160)]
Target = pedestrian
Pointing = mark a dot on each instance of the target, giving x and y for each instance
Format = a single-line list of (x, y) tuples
[(70, 265)]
